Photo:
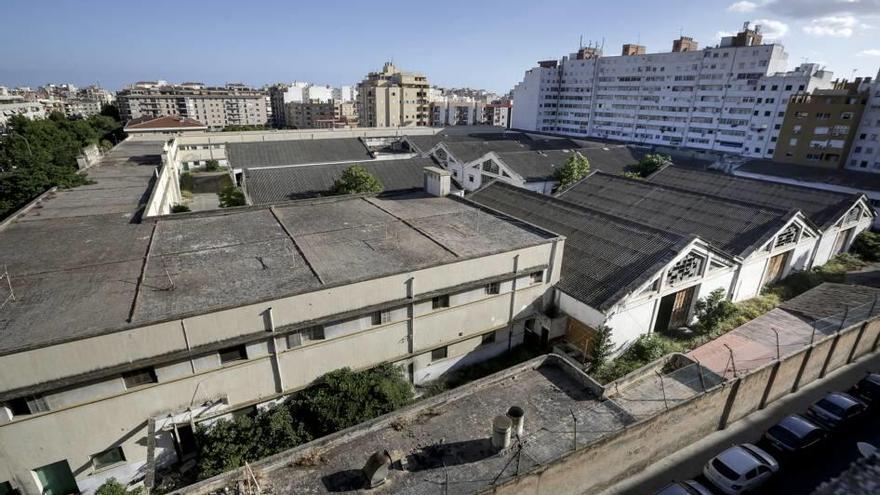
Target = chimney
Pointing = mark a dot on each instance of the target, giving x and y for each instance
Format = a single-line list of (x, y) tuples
[(684, 44), (630, 49), (438, 182)]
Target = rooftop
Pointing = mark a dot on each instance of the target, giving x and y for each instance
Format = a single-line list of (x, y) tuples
[(605, 256), (535, 165), (76, 263), (865, 181), (296, 152), (275, 184), (822, 207), (165, 122), (732, 226)]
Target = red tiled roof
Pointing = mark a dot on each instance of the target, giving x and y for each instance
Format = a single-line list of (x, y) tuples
[(165, 122)]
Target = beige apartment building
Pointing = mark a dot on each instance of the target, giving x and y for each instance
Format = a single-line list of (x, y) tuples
[(149, 329), (332, 114), (392, 98), (216, 107)]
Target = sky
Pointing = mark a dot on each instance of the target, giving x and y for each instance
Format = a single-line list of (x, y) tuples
[(486, 44)]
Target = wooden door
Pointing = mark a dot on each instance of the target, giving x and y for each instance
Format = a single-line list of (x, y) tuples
[(776, 267), (681, 307)]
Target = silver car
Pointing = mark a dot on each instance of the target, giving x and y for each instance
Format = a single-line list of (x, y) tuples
[(740, 469)]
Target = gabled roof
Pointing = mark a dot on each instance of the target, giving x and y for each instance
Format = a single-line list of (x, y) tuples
[(605, 257), (614, 159), (296, 152), (534, 165), (277, 184), (734, 227), (866, 181), (467, 147), (164, 122), (823, 208)]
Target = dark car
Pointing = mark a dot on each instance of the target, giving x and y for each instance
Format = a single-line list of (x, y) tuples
[(868, 388), (836, 410), (689, 487), (795, 433)]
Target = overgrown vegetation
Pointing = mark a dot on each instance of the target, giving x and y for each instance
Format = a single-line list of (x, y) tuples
[(602, 348), (114, 487), (642, 351), (36, 155), (800, 282), (576, 168), (648, 165), (231, 196), (867, 246), (212, 165), (340, 399), (239, 128), (357, 180), (480, 370), (712, 310), (180, 208)]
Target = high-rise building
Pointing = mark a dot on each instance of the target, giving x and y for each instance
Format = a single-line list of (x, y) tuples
[(498, 114), (819, 127), (865, 154), (216, 107), (392, 98), (729, 98)]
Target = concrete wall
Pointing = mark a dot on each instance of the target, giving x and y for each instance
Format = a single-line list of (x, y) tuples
[(166, 188), (597, 466)]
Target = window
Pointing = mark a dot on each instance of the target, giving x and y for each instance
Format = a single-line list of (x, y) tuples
[(305, 335), (139, 377), (231, 354), (108, 458), (440, 302), (438, 354), (487, 339), (470, 178), (493, 288), (380, 317), (846, 116), (537, 277), (27, 405)]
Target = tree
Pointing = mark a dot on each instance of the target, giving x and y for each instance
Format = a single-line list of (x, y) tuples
[(367, 394), (713, 309), (231, 196), (212, 165), (651, 163), (114, 487), (180, 208), (602, 348), (357, 180), (112, 111), (576, 168), (867, 246)]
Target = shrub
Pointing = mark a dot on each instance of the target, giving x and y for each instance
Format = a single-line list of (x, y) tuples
[(712, 310), (180, 208), (231, 196), (357, 180), (114, 487), (651, 163), (186, 182), (867, 246), (575, 169), (602, 347), (212, 166)]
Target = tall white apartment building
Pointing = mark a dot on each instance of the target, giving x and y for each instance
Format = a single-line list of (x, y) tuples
[(728, 98), (345, 93), (865, 151), (451, 110)]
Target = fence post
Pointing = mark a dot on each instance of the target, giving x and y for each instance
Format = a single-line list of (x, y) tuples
[(662, 390), (777, 342), (702, 380), (732, 359)]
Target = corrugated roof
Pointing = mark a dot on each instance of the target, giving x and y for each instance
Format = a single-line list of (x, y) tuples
[(273, 185), (732, 226), (605, 256), (535, 165), (867, 181), (296, 152), (823, 208), (612, 159)]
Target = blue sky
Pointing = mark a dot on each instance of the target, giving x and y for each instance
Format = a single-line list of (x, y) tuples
[(477, 43)]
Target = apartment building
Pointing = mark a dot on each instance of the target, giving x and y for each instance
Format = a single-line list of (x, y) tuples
[(216, 107), (457, 111), (83, 107), (729, 98), (393, 98), (865, 154), (230, 311), (11, 106), (819, 127), (498, 114), (316, 114)]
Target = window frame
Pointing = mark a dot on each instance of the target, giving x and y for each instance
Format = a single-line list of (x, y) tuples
[(493, 288), (150, 373), (440, 353), (239, 350), (104, 466), (440, 302)]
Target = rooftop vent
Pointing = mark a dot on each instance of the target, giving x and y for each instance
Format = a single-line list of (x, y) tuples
[(376, 469), (517, 418), (501, 427)]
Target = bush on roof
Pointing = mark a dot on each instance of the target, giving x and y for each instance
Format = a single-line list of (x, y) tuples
[(576, 168), (650, 164), (357, 180), (231, 196)]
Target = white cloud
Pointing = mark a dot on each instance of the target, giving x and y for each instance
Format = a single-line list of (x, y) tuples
[(835, 26), (742, 7), (812, 9), (771, 28), (873, 52)]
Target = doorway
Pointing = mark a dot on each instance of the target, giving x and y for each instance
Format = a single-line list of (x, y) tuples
[(842, 240), (675, 309), (776, 268), (185, 442), (56, 479)]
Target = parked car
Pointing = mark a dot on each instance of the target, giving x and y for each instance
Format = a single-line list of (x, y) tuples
[(868, 389), (795, 434), (740, 469), (836, 410), (689, 487)]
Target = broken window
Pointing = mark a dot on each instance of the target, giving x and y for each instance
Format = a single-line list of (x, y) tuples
[(440, 302), (788, 236), (687, 268), (231, 354)]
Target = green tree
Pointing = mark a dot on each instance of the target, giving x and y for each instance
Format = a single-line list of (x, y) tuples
[(713, 309), (231, 196), (367, 394), (576, 168), (180, 208), (212, 165), (867, 246), (602, 348), (651, 163), (357, 180), (112, 111), (240, 128), (114, 487)]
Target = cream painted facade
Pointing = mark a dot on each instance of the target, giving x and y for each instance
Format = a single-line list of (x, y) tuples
[(393, 98), (388, 319)]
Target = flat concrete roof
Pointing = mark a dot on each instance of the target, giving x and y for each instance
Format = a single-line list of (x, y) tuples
[(76, 259), (445, 440)]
